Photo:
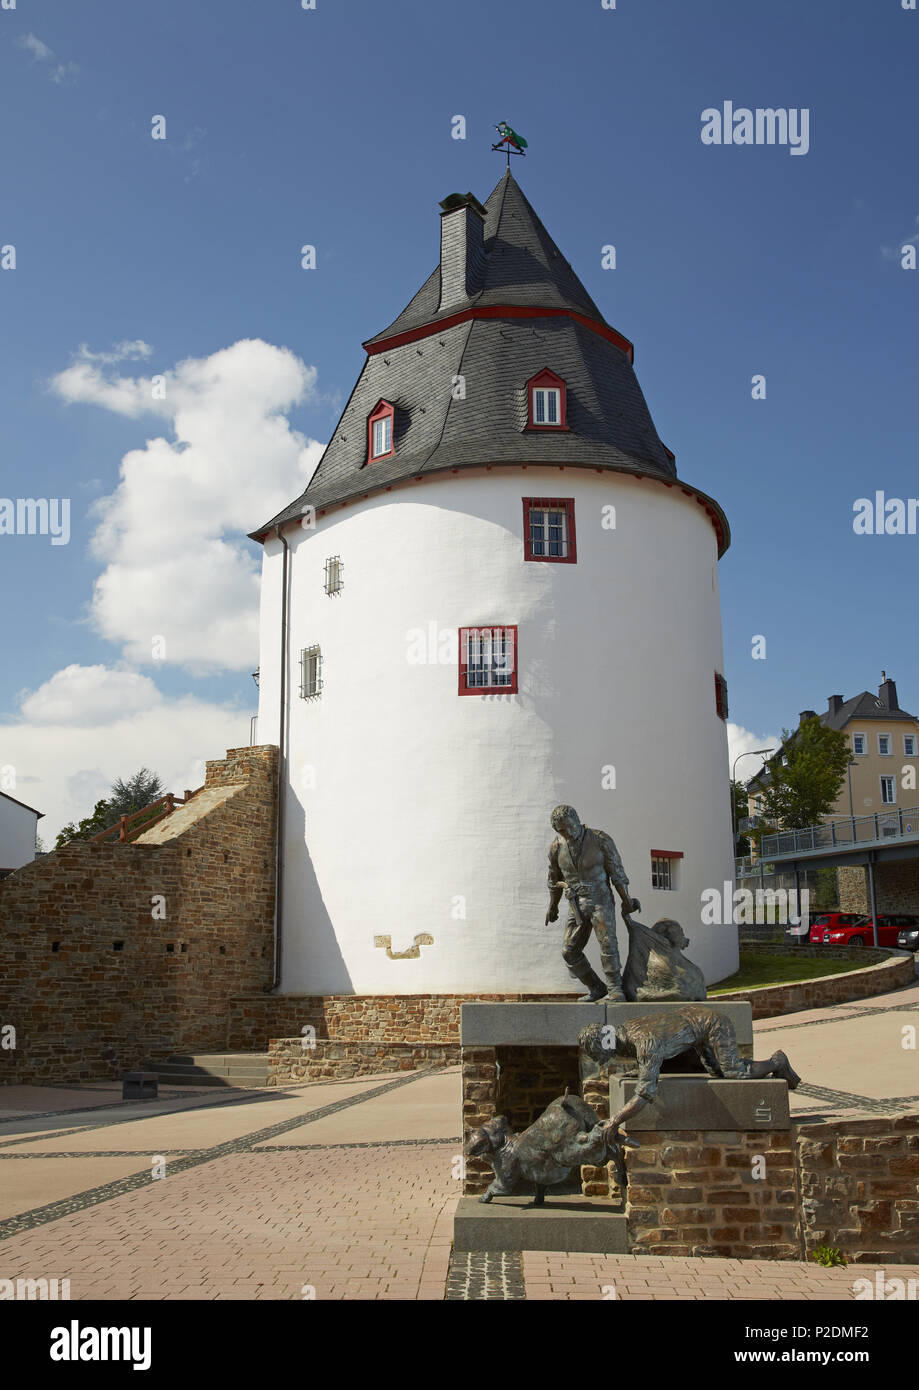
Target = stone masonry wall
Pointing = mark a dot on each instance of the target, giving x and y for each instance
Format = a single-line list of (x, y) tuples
[(96, 980), (859, 1183), (896, 887), (290, 1063), (698, 1193)]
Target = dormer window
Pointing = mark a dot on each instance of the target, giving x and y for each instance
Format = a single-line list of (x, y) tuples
[(379, 432), (547, 404)]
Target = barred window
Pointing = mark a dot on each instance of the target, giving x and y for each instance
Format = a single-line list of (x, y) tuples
[(664, 864), (548, 529), (334, 583), (310, 673), (487, 660)]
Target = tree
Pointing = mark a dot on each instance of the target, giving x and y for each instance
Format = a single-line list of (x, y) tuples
[(741, 810), (805, 776), (124, 799), (133, 795)]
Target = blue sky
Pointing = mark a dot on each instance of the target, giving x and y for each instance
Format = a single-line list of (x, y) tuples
[(333, 127)]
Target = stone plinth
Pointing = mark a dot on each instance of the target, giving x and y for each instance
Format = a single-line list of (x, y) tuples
[(700, 1102), (724, 1192), (564, 1223), (558, 1024), (518, 1056)]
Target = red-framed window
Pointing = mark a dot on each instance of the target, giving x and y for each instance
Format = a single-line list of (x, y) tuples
[(380, 432), (548, 530), (547, 405), (721, 696), (488, 660), (663, 868)]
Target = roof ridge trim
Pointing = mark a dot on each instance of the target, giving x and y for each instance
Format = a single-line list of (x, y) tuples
[(499, 311)]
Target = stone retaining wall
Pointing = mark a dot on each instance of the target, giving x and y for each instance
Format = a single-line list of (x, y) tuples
[(859, 1184), (896, 970), (289, 1062)]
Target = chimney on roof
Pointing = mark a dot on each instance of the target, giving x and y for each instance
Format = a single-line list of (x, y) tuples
[(887, 692), (835, 703), (806, 714), (462, 249)]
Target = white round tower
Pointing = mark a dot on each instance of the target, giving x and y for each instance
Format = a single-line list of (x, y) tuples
[(494, 596)]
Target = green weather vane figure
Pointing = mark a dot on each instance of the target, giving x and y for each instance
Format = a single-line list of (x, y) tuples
[(510, 142)]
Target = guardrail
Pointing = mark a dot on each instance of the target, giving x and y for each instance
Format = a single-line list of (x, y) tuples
[(895, 824), (127, 828)]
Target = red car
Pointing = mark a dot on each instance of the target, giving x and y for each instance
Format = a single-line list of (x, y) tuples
[(829, 921), (861, 932)]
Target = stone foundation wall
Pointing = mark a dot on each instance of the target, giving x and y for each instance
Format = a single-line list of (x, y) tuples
[(859, 1183), (290, 1063), (112, 954)]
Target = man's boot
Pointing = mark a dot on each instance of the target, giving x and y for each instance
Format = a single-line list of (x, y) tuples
[(596, 989)]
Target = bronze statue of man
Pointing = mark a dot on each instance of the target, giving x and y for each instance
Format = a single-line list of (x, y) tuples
[(652, 1039), (584, 864)]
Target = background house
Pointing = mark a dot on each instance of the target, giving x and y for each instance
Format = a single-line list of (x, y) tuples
[(18, 826), (884, 744)]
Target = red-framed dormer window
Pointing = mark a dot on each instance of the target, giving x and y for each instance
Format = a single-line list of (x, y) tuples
[(488, 660), (380, 432), (546, 395), (548, 530)]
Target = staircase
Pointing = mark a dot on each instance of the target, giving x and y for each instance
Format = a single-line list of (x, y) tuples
[(213, 1069)]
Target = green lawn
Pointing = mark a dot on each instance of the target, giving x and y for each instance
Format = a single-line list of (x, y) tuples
[(757, 971)]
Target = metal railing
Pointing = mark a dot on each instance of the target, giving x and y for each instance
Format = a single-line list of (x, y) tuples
[(894, 824)]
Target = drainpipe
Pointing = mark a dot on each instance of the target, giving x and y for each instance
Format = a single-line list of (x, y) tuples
[(282, 772)]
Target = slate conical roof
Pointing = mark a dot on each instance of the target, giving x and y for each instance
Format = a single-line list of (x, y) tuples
[(528, 311)]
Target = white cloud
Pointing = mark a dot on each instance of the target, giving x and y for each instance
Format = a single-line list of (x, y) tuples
[(72, 742), (90, 695), (741, 740), (39, 51), (129, 349), (171, 536)]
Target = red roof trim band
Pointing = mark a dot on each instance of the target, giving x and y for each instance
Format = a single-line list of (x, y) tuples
[(500, 311)]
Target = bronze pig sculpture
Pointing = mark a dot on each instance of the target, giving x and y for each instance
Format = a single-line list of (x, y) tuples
[(567, 1134)]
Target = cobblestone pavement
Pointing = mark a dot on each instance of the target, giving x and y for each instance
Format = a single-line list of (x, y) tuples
[(346, 1190), (628, 1277)]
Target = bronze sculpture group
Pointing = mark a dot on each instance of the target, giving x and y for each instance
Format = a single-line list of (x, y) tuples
[(584, 864)]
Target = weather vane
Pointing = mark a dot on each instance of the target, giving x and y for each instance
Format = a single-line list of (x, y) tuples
[(510, 142)]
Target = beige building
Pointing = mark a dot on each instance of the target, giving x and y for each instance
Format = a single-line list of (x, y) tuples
[(884, 744)]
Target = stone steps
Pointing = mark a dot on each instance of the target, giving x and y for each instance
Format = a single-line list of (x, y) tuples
[(213, 1069)]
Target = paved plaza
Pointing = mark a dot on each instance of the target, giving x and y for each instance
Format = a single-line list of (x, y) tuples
[(347, 1190)]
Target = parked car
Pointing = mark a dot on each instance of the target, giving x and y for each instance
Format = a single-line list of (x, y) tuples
[(830, 921), (908, 938), (861, 932)]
